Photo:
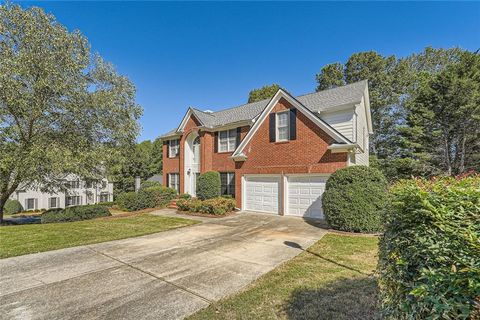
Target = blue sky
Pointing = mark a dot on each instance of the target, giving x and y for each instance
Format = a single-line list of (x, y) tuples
[(210, 55)]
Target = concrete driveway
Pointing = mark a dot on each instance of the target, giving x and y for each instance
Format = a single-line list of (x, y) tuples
[(167, 275)]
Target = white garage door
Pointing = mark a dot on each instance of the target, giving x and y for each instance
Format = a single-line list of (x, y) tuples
[(262, 193), (305, 196)]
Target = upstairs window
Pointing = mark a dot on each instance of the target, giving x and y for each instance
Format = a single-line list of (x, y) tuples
[(74, 184), (173, 148), (283, 130), (227, 140), (283, 126)]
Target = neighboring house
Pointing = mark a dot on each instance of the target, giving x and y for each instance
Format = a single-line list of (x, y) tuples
[(273, 155), (78, 193)]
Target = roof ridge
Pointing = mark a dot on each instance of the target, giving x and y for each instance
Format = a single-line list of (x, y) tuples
[(207, 113), (242, 105), (324, 90), (302, 95)]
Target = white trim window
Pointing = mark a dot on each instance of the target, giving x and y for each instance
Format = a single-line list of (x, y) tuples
[(73, 201), (174, 181), (227, 140), (104, 197), (73, 184), (53, 202), (283, 128), (227, 180), (30, 204), (173, 148)]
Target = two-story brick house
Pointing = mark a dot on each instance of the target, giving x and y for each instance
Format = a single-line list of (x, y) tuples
[(273, 155)]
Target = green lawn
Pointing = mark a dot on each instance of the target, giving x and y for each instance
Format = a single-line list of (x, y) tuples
[(333, 279), (24, 239)]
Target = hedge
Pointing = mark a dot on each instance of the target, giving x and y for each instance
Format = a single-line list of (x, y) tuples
[(216, 206), (107, 204), (429, 261), (151, 197), (208, 185), (354, 199), (12, 207), (76, 213)]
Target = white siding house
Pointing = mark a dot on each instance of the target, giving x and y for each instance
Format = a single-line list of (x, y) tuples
[(78, 192)]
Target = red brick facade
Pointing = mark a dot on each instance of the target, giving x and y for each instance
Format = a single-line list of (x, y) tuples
[(308, 153)]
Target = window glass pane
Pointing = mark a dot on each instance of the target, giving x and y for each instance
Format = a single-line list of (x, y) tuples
[(173, 148), (30, 204), (222, 146), (282, 119), (232, 140), (283, 133)]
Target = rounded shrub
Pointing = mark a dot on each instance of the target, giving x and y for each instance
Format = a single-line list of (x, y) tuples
[(355, 198), (185, 196), (161, 195), (12, 207), (133, 201), (208, 185), (150, 197), (76, 213)]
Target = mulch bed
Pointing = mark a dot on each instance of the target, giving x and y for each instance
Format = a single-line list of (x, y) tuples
[(129, 214), (207, 215)]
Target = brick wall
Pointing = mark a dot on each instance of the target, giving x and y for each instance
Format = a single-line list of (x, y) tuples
[(307, 154)]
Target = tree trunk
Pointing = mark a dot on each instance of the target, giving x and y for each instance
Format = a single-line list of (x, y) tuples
[(2, 205), (447, 154), (4, 195), (461, 167)]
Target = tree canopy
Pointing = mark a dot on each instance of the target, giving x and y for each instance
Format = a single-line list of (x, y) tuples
[(265, 92), (403, 95), (443, 122), (62, 109), (143, 160)]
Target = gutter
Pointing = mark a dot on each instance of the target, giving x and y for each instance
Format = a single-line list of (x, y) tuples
[(342, 147)]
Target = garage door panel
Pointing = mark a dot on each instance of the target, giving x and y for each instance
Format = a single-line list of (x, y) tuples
[(262, 193), (305, 196)]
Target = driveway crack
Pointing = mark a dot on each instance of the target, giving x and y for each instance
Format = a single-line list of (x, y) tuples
[(182, 288)]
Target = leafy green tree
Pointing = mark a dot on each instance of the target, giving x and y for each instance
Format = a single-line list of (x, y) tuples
[(444, 117), (143, 160), (62, 109), (331, 76), (156, 157), (392, 86), (385, 88), (265, 92)]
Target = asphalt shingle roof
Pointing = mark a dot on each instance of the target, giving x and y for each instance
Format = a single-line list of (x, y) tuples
[(315, 102)]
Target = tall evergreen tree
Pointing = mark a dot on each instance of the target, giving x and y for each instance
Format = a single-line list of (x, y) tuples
[(444, 117)]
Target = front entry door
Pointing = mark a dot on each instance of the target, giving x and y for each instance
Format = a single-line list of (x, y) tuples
[(193, 183)]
